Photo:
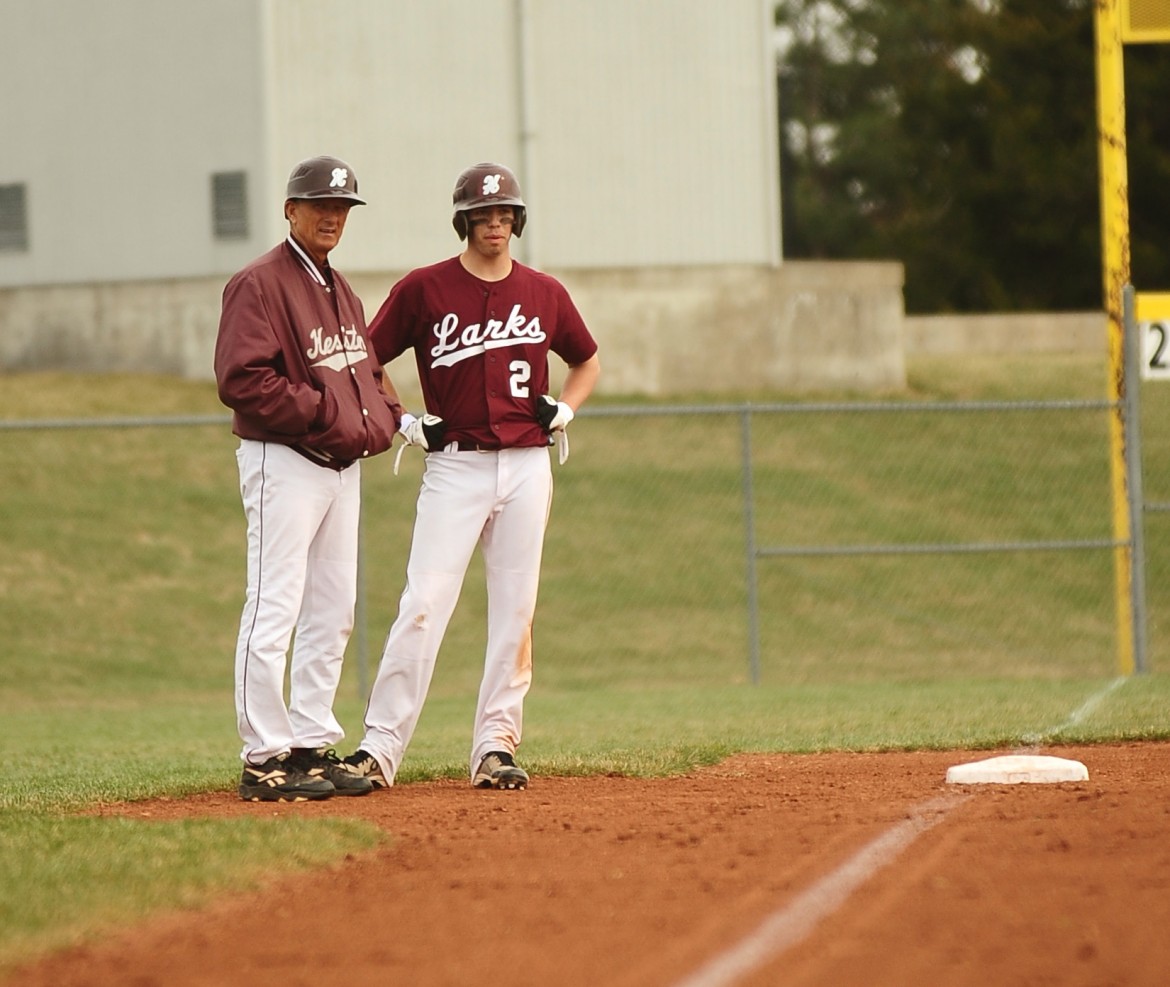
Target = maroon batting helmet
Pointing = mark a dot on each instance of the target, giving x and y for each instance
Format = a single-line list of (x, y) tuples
[(487, 184), (323, 177)]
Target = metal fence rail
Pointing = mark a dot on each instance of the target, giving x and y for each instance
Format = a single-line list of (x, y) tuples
[(756, 551), (166, 421), (757, 547)]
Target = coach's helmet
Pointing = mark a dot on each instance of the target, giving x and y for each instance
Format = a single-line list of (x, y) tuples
[(487, 184), (323, 177)]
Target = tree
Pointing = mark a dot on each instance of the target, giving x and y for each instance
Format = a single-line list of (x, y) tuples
[(958, 136), (1147, 75)]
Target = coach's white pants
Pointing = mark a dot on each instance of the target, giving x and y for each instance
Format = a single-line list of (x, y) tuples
[(302, 576), (501, 501)]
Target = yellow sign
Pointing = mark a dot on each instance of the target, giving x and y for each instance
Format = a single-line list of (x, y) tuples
[(1145, 21), (1152, 307)]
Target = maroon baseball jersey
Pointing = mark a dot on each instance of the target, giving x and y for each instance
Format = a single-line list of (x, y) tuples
[(482, 347)]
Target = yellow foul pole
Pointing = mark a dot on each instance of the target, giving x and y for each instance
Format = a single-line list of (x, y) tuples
[(1116, 263)]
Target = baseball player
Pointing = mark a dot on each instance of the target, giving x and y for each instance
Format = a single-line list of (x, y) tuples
[(481, 326), (293, 363)]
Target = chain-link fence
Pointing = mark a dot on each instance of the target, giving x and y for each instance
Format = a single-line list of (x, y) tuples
[(691, 544), (935, 531)]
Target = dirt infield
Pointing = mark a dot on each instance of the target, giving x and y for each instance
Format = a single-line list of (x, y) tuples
[(836, 869)]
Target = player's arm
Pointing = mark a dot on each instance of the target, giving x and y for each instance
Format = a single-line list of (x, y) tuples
[(580, 381), (397, 409), (390, 336), (427, 431), (388, 387), (554, 414)]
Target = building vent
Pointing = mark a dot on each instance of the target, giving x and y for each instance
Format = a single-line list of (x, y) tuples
[(13, 218), (229, 203)]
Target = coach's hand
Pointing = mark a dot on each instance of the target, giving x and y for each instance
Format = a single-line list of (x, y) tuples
[(552, 414), (427, 431)]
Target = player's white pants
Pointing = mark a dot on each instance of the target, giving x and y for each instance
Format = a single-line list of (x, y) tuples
[(501, 501), (302, 575)]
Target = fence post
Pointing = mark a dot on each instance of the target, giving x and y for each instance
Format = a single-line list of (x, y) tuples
[(1133, 468), (749, 523)]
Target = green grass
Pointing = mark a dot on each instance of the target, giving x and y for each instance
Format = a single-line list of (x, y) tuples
[(122, 568), (65, 877)]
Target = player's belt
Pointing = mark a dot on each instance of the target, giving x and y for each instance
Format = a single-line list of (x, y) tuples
[(322, 458), (464, 446)]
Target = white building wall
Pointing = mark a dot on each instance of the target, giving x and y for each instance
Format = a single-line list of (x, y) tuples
[(621, 120), (643, 133), (115, 115), (408, 94), (654, 133)]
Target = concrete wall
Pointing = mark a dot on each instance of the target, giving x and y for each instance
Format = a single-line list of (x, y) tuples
[(163, 327), (799, 327), (1022, 332), (802, 326)]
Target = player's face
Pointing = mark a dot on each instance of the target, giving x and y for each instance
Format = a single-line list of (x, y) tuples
[(317, 224), (490, 229)]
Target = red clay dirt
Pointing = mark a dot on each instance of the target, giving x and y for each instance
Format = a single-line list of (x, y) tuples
[(634, 883)]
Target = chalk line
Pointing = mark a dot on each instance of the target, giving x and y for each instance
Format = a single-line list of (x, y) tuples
[(792, 923), (1078, 715)]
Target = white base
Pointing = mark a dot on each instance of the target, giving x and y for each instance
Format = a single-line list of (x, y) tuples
[(1013, 769)]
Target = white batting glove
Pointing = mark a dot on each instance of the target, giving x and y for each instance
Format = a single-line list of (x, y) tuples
[(562, 438), (426, 432), (553, 415)]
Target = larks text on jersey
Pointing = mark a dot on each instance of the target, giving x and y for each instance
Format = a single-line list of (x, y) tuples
[(455, 345)]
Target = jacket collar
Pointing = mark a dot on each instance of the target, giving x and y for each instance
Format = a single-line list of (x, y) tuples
[(307, 262)]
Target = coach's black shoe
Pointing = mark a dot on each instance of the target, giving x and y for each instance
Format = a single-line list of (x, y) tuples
[(282, 779), (497, 769), (365, 765), (326, 764)]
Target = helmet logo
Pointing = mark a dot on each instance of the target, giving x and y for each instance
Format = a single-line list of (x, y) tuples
[(340, 177), (491, 184)]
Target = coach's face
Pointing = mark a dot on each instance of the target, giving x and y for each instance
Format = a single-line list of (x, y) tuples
[(317, 224)]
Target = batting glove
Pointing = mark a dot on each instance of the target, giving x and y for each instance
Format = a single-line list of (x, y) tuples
[(426, 432), (552, 414), (554, 417)]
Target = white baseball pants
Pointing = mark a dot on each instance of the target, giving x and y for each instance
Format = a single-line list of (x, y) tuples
[(501, 501), (302, 575)]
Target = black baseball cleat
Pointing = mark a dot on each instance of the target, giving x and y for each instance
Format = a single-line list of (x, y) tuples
[(282, 779), (365, 765), (497, 769), (326, 764)]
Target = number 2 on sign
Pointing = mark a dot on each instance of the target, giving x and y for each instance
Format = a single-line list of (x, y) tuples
[(1155, 338)]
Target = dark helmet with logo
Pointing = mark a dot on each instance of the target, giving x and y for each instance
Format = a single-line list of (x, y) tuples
[(323, 177), (487, 184)]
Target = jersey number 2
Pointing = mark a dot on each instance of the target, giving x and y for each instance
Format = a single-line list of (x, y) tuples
[(521, 372)]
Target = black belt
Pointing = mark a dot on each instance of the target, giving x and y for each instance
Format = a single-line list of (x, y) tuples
[(464, 446), (322, 458)]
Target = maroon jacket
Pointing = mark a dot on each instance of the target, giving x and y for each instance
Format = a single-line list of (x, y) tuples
[(292, 362)]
